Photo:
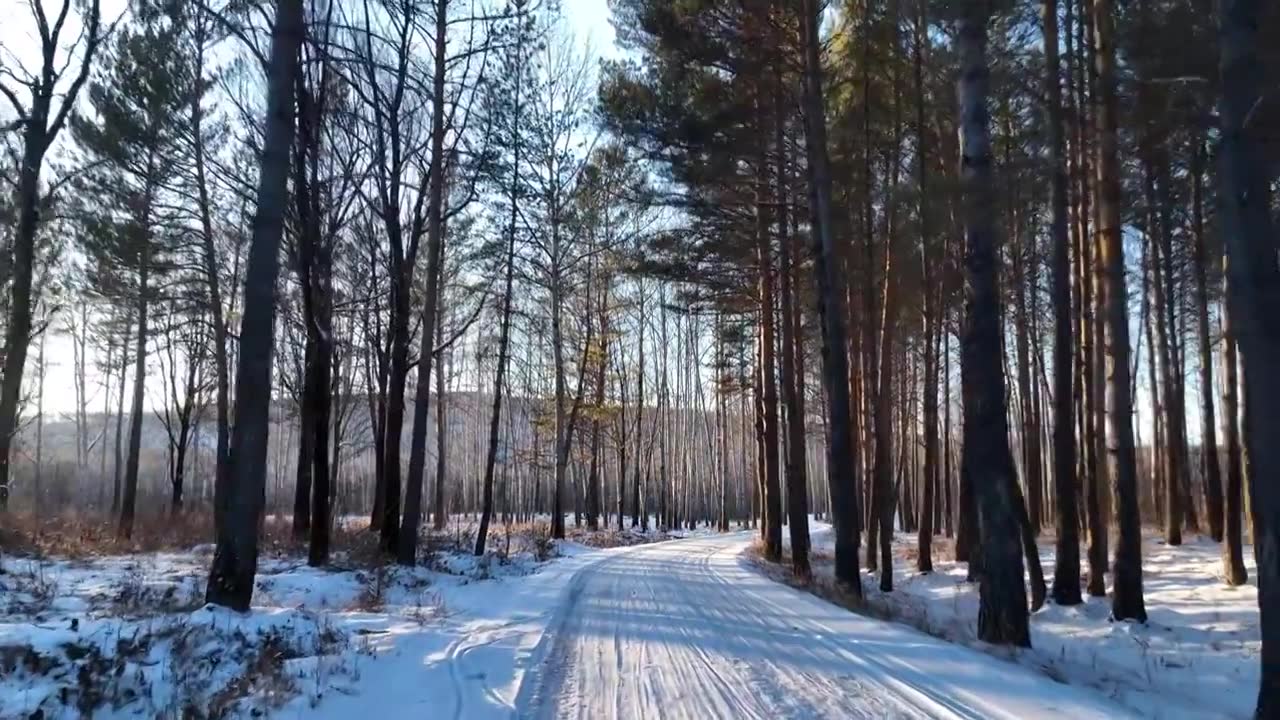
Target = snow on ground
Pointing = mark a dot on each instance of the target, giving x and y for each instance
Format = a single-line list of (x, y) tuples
[(613, 537), (466, 637), (128, 635), (690, 631), (1196, 657)]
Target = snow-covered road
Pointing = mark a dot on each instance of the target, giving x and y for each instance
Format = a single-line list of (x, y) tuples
[(687, 629)]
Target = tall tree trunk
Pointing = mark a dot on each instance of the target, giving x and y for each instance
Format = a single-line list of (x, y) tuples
[(314, 261), (1170, 380), (18, 326), (1126, 595), (1090, 283), (870, 358), (1022, 362), (1208, 424), (318, 548), (398, 330), (948, 509), (407, 548), (130, 497), (563, 430), (504, 342), (321, 408), (118, 466), (722, 432), (180, 446), (986, 458), (594, 491), (442, 430), (888, 342), (797, 483), (78, 333), (1177, 423), (306, 415), (772, 487), (1098, 405), (235, 559), (1172, 464), (109, 370), (637, 513), (37, 485), (393, 413), (1157, 393), (1066, 571), (209, 257), (885, 499), (1097, 469), (377, 377), (1233, 569), (1030, 550), (924, 540), (504, 328), (567, 417), (623, 468), (1254, 288)]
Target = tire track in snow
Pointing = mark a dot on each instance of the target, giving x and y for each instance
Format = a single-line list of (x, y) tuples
[(875, 700), (642, 675), (876, 675), (663, 616), (682, 631)]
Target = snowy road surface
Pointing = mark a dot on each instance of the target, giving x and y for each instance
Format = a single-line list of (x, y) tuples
[(686, 630)]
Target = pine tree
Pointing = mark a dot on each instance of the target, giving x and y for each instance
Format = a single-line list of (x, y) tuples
[(1253, 284), (842, 470), (1066, 573), (235, 560), (139, 99), (505, 98), (1126, 593), (985, 455)]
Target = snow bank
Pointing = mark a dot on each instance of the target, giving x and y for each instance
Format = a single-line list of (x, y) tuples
[(124, 636), (129, 636), (1196, 657)]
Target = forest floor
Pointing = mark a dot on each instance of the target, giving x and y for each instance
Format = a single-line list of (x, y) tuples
[(125, 633), (1197, 656)]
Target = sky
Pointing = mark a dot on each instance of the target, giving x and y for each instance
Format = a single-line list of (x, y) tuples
[(588, 20)]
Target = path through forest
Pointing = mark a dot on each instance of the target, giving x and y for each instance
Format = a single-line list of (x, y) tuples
[(686, 629)]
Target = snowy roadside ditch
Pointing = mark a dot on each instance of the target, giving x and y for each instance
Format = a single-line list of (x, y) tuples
[(1196, 657)]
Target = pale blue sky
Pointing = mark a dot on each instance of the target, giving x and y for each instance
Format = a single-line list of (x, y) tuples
[(590, 21)]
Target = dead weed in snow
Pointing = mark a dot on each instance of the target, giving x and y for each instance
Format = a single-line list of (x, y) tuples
[(188, 666)]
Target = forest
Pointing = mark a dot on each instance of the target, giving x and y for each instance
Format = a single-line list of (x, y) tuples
[(877, 283)]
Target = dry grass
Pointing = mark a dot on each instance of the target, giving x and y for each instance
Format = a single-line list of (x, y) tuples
[(609, 537), (782, 572), (900, 608), (504, 540), (942, 549), (373, 593), (77, 535)]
